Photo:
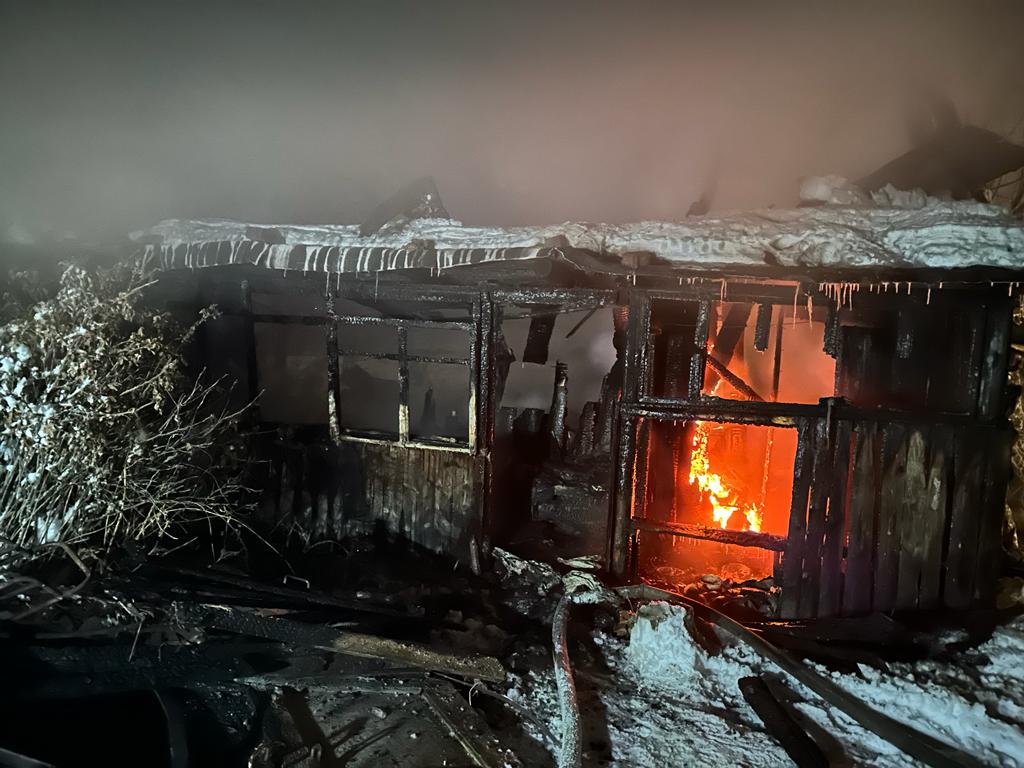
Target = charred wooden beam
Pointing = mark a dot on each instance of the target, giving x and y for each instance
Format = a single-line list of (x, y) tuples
[(560, 405), (721, 535), (778, 719), (763, 327), (326, 638), (700, 341), (539, 338), (733, 379), (575, 328)]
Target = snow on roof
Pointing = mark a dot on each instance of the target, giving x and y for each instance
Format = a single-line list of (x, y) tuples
[(927, 234)]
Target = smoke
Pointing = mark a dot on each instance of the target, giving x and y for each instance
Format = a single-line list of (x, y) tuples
[(118, 114)]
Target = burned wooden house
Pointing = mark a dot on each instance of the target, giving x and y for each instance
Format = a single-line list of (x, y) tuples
[(817, 395)]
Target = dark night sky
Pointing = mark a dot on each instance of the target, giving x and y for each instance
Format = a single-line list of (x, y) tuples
[(117, 114)]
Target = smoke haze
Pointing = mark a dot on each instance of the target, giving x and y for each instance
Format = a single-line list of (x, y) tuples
[(118, 114)]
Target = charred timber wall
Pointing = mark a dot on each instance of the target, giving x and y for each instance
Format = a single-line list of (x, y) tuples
[(324, 492), (893, 517), (898, 482)]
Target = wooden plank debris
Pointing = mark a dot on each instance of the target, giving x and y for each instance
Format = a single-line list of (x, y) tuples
[(781, 725), (326, 638)]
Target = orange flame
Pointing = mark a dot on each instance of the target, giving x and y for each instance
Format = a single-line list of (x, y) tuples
[(722, 498)]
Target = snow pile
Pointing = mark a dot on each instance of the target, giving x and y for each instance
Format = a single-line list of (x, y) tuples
[(663, 700), (975, 702), (891, 229), (661, 651)]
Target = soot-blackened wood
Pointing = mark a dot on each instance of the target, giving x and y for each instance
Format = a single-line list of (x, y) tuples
[(913, 521), (792, 563), (857, 366), (735, 538), (891, 502), (678, 352), (833, 332), (968, 487), (731, 330), (936, 514), (700, 342), (539, 337), (624, 436), (863, 509), (620, 525), (990, 512), (821, 484), (911, 364), (993, 368), (830, 590), (641, 465), (333, 381), (763, 328)]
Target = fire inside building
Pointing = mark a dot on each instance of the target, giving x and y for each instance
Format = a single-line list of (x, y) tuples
[(817, 396)]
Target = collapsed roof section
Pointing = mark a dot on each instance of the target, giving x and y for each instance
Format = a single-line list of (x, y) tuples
[(929, 234)]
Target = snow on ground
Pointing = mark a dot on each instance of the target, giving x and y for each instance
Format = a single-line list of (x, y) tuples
[(665, 701)]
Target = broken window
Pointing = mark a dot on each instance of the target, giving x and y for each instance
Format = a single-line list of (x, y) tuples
[(370, 396), (581, 339), (291, 366), (761, 352), (405, 380), (439, 401)]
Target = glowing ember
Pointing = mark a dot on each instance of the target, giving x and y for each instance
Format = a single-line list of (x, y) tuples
[(723, 499)]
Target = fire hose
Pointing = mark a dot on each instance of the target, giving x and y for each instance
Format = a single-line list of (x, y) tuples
[(579, 587)]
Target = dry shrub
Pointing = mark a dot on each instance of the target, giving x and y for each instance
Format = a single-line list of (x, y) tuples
[(103, 437)]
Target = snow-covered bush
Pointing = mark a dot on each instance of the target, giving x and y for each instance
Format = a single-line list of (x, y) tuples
[(103, 438)]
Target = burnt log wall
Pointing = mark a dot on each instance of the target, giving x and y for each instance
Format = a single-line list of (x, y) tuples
[(897, 516), (322, 492)]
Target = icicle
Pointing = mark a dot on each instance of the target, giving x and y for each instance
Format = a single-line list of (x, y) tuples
[(809, 307), (796, 296), (1009, 289), (928, 297), (722, 290)]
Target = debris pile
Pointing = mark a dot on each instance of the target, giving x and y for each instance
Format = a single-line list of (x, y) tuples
[(251, 672)]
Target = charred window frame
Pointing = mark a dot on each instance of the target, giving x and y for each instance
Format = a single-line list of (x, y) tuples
[(304, 308), (403, 361)]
